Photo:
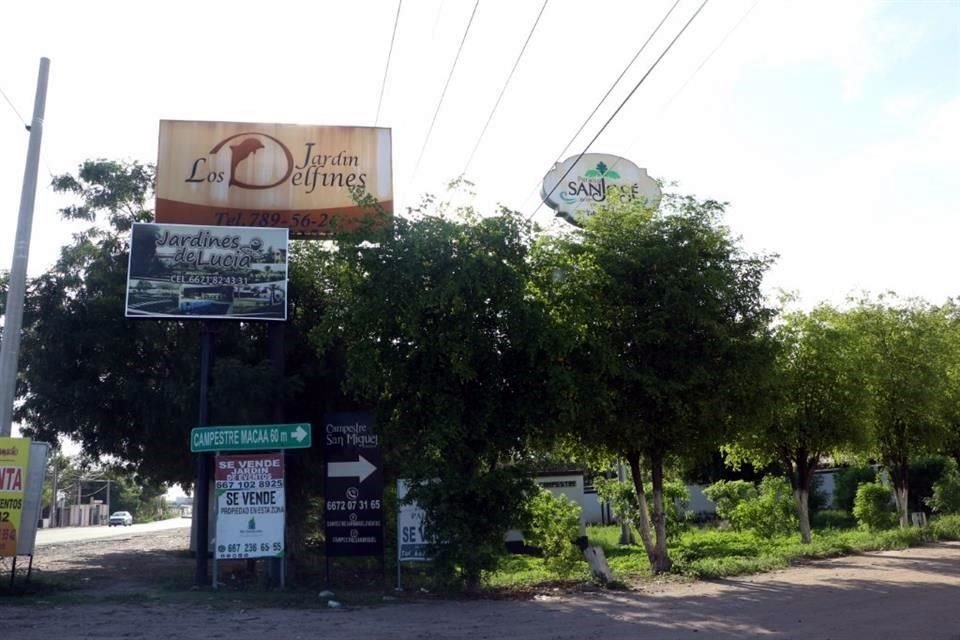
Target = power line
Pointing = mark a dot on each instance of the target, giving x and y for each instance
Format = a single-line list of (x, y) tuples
[(573, 139), (504, 89), (703, 63), (622, 105), (10, 102), (386, 69), (443, 93), (619, 78)]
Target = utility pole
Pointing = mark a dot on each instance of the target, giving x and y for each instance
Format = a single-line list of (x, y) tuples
[(53, 499), (16, 290)]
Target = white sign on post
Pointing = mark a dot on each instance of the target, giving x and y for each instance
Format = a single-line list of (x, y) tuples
[(250, 506), (412, 540)]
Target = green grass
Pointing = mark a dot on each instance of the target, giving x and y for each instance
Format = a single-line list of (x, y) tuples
[(716, 553)]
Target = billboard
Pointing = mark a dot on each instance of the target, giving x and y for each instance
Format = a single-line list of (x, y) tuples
[(187, 271), (354, 487), (579, 184), (251, 502), (302, 178), (14, 458)]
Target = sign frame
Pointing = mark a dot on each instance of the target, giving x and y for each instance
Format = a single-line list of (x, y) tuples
[(306, 178), (14, 474), (353, 491), (241, 490), (187, 272), (251, 437)]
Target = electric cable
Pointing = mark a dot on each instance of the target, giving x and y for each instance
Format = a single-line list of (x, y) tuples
[(386, 69), (443, 93), (622, 105), (504, 89)]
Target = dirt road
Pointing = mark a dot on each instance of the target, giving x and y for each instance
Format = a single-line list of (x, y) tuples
[(902, 595)]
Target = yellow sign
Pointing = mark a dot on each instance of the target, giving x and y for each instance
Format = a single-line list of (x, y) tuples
[(14, 458), (314, 180)]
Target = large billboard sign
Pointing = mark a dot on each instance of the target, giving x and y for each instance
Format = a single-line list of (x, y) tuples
[(187, 271), (580, 184), (303, 178), (14, 459), (251, 505), (354, 486)]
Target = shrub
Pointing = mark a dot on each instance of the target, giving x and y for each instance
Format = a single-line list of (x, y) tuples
[(727, 494), (946, 492), (770, 513), (554, 527), (846, 483), (872, 507), (832, 519), (946, 528)]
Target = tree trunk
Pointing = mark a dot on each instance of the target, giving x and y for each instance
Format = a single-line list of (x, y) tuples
[(661, 561), (901, 483), (802, 497), (802, 481), (643, 523)]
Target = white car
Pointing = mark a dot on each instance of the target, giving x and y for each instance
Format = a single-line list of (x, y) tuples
[(121, 518)]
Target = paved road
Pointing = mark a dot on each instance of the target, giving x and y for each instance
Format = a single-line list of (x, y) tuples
[(77, 534)]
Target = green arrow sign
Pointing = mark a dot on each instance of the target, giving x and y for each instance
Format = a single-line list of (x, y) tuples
[(251, 437)]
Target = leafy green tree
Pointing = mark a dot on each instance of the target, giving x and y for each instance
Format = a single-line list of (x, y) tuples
[(439, 332), (846, 483), (554, 527), (907, 351), (871, 506), (818, 403), (667, 334)]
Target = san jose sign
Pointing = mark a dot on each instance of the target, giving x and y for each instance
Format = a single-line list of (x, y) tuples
[(580, 184)]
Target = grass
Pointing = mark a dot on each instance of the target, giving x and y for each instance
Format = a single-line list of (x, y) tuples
[(707, 553)]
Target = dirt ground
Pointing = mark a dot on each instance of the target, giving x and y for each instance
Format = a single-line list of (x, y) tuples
[(138, 587)]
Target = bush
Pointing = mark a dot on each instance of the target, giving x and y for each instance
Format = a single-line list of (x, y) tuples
[(846, 484), (946, 491), (872, 507), (554, 527), (772, 512), (832, 519), (946, 528), (728, 494)]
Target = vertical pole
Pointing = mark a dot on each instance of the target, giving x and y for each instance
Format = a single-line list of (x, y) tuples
[(108, 499), (53, 499), (202, 492), (16, 288), (276, 336)]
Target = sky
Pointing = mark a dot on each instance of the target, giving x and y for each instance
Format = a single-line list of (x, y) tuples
[(831, 128)]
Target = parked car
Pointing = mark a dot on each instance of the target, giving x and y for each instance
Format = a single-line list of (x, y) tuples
[(121, 518)]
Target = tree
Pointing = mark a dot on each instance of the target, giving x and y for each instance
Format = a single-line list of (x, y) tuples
[(908, 351), (817, 403), (669, 336), (440, 334)]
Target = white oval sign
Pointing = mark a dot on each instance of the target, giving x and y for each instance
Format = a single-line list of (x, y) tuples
[(575, 188)]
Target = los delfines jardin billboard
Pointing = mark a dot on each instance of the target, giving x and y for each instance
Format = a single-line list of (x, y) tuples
[(189, 271), (313, 180)]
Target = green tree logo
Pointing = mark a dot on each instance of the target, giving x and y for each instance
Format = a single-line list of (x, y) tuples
[(252, 524), (602, 171)]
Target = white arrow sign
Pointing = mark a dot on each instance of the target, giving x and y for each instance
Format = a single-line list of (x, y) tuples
[(361, 469), (299, 434)]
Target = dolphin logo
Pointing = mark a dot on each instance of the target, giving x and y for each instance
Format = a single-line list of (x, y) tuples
[(248, 147)]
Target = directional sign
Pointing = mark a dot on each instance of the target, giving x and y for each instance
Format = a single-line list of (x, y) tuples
[(354, 486), (361, 469), (251, 437)]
